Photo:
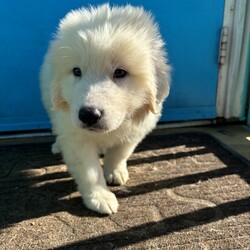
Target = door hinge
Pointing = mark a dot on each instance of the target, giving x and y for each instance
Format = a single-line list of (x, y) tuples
[(223, 45)]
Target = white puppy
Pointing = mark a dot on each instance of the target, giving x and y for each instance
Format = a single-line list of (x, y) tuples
[(103, 82)]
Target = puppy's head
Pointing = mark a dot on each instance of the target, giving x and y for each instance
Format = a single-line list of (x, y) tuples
[(109, 67)]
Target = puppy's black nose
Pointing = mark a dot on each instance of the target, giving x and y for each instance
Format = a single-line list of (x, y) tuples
[(89, 116)]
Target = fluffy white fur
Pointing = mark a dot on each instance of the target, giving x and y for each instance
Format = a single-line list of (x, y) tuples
[(98, 41)]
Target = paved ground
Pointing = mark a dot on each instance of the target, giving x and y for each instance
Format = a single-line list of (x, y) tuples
[(185, 192)]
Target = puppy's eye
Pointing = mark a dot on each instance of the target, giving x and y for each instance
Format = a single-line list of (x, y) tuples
[(77, 72), (120, 73)]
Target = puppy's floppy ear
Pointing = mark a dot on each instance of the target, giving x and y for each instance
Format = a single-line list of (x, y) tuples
[(152, 103), (58, 102), (59, 60), (163, 76), (161, 88), (162, 73)]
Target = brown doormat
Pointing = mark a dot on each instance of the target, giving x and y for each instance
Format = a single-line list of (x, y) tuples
[(185, 192)]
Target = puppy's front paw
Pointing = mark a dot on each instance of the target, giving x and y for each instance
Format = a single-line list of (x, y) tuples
[(102, 201), (118, 176)]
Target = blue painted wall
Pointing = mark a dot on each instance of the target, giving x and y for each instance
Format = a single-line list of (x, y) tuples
[(191, 29)]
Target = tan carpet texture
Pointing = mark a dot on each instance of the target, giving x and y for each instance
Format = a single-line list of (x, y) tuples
[(185, 192)]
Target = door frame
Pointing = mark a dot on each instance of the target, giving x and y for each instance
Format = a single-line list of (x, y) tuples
[(233, 70)]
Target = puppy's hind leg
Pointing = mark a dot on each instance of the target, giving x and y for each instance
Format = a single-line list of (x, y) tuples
[(115, 163)]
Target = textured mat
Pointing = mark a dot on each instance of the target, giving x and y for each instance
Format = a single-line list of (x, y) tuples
[(185, 192)]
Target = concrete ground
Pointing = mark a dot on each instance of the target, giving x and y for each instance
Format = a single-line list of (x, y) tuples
[(188, 189), (235, 138)]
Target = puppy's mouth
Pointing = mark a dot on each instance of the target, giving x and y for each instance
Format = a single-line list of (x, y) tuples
[(97, 129)]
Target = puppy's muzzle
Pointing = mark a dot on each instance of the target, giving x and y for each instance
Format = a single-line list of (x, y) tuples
[(90, 116)]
